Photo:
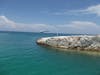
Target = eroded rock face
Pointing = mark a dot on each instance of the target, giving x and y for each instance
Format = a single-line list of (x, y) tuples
[(72, 42)]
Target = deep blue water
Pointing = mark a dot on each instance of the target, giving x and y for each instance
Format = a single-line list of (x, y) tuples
[(20, 55)]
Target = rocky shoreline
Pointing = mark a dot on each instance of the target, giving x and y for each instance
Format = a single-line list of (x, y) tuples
[(81, 42)]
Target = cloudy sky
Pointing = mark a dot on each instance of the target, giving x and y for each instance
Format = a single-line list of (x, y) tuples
[(65, 16)]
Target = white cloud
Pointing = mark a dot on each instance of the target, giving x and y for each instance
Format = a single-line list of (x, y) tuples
[(83, 24), (72, 27), (81, 27), (95, 9), (7, 24)]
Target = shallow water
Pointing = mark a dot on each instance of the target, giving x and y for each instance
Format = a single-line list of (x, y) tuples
[(20, 55)]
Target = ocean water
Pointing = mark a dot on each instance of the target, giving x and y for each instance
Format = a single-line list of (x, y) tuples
[(20, 55)]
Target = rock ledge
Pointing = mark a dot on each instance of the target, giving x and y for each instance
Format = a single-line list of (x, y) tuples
[(81, 42)]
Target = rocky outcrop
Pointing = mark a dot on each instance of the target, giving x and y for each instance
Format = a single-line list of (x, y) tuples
[(82, 42)]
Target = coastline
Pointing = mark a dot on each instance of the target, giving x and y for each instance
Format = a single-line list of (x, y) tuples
[(83, 43)]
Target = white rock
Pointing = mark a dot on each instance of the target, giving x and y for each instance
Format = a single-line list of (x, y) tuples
[(77, 42)]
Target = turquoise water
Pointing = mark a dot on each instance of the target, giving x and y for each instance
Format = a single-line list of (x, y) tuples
[(20, 55)]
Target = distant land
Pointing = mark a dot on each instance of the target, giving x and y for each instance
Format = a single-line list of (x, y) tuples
[(57, 34)]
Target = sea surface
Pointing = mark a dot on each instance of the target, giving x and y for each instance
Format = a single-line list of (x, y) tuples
[(20, 55)]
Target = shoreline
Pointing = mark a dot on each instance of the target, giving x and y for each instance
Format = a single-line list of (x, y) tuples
[(78, 43)]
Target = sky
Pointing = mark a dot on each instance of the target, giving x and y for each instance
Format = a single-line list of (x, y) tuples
[(63, 16)]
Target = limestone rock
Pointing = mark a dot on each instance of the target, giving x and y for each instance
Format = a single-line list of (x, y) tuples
[(82, 42)]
